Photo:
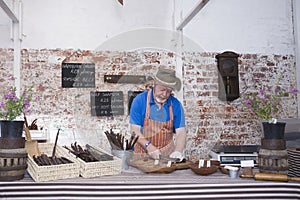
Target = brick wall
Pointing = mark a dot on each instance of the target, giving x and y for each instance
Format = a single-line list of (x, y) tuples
[(209, 120)]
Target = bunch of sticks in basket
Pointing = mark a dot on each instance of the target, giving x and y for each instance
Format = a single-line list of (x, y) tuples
[(118, 141)]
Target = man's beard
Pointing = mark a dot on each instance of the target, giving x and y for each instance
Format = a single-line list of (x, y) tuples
[(160, 100)]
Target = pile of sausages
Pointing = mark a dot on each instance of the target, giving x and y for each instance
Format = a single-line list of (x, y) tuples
[(86, 155)]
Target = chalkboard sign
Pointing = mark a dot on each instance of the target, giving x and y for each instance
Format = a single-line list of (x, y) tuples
[(107, 103), (131, 96), (78, 75)]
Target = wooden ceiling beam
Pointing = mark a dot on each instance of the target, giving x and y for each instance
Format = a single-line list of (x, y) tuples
[(192, 14), (8, 11)]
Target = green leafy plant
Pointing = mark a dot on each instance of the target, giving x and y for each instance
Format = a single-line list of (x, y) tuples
[(12, 105), (267, 103)]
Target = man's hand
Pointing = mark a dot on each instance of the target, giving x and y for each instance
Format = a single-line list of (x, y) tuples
[(153, 152), (177, 154)]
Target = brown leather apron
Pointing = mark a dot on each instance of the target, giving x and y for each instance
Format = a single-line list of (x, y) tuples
[(160, 134)]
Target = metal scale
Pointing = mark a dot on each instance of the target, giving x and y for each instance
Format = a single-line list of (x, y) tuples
[(233, 154)]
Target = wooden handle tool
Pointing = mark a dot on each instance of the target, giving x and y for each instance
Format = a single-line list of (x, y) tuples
[(25, 120), (54, 148), (27, 133), (275, 177), (31, 146)]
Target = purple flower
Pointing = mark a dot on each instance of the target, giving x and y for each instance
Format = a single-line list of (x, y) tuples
[(2, 105), (248, 102), (12, 105), (11, 96), (262, 93), (293, 90), (267, 102), (37, 98), (26, 104), (41, 87)]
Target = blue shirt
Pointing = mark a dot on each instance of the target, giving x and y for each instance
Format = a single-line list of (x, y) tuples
[(138, 110)]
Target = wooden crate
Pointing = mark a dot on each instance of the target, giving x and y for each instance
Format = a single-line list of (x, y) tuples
[(53, 172), (99, 168)]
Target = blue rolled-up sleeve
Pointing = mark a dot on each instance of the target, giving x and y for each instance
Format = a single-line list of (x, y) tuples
[(179, 118)]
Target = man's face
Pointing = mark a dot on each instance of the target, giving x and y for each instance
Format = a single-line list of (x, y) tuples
[(161, 93)]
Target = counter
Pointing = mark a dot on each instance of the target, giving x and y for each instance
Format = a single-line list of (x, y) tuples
[(133, 184)]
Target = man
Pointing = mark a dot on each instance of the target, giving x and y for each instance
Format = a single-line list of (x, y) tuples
[(156, 115)]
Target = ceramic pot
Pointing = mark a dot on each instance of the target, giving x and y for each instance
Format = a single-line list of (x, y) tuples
[(273, 131), (11, 129)]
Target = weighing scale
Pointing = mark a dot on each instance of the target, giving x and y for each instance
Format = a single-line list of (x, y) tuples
[(233, 154)]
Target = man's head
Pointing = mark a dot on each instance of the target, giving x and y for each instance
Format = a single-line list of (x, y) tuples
[(167, 78), (164, 82)]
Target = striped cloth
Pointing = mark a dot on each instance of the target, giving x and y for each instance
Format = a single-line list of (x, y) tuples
[(182, 184)]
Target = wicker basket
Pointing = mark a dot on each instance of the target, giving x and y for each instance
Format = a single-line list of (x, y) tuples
[(99, 168), (53, 172)]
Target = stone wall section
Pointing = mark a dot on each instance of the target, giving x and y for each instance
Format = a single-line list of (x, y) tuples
[(209, 121)]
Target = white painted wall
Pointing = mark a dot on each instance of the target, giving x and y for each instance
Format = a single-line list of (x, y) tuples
[(253, 26), (296, 12)]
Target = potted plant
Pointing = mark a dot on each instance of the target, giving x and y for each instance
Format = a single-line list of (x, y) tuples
[(12, 106), (267, 104)]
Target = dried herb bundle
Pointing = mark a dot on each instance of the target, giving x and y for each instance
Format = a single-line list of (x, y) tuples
[(117, 140)]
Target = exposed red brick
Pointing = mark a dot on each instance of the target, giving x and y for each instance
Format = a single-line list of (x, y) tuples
[(230, 108), (99, 59), (265, 69), (259, 75), (170, 54)]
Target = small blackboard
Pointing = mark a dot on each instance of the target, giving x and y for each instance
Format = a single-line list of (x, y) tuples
[(107, 103), (131, 96), (78, 75)]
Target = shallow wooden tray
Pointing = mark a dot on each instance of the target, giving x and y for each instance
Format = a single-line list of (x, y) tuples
[(148, 166)]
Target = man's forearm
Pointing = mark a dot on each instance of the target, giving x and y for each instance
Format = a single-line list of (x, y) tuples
[(136, 129), (180, 139)]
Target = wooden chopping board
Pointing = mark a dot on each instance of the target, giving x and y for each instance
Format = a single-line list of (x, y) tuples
[(148, 166)]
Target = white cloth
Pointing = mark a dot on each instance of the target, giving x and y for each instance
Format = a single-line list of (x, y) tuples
[(155, 154), (177, 154)]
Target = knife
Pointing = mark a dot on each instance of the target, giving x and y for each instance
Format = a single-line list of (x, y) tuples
[(166, 158)]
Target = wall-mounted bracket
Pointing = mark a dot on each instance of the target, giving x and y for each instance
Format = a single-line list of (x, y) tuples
[(134, 79)]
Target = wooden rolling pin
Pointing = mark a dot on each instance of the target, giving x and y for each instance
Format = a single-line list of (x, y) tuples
[(275, 177)]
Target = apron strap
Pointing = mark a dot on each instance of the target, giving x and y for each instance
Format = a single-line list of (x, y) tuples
[(171, 112), (146, 120)]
